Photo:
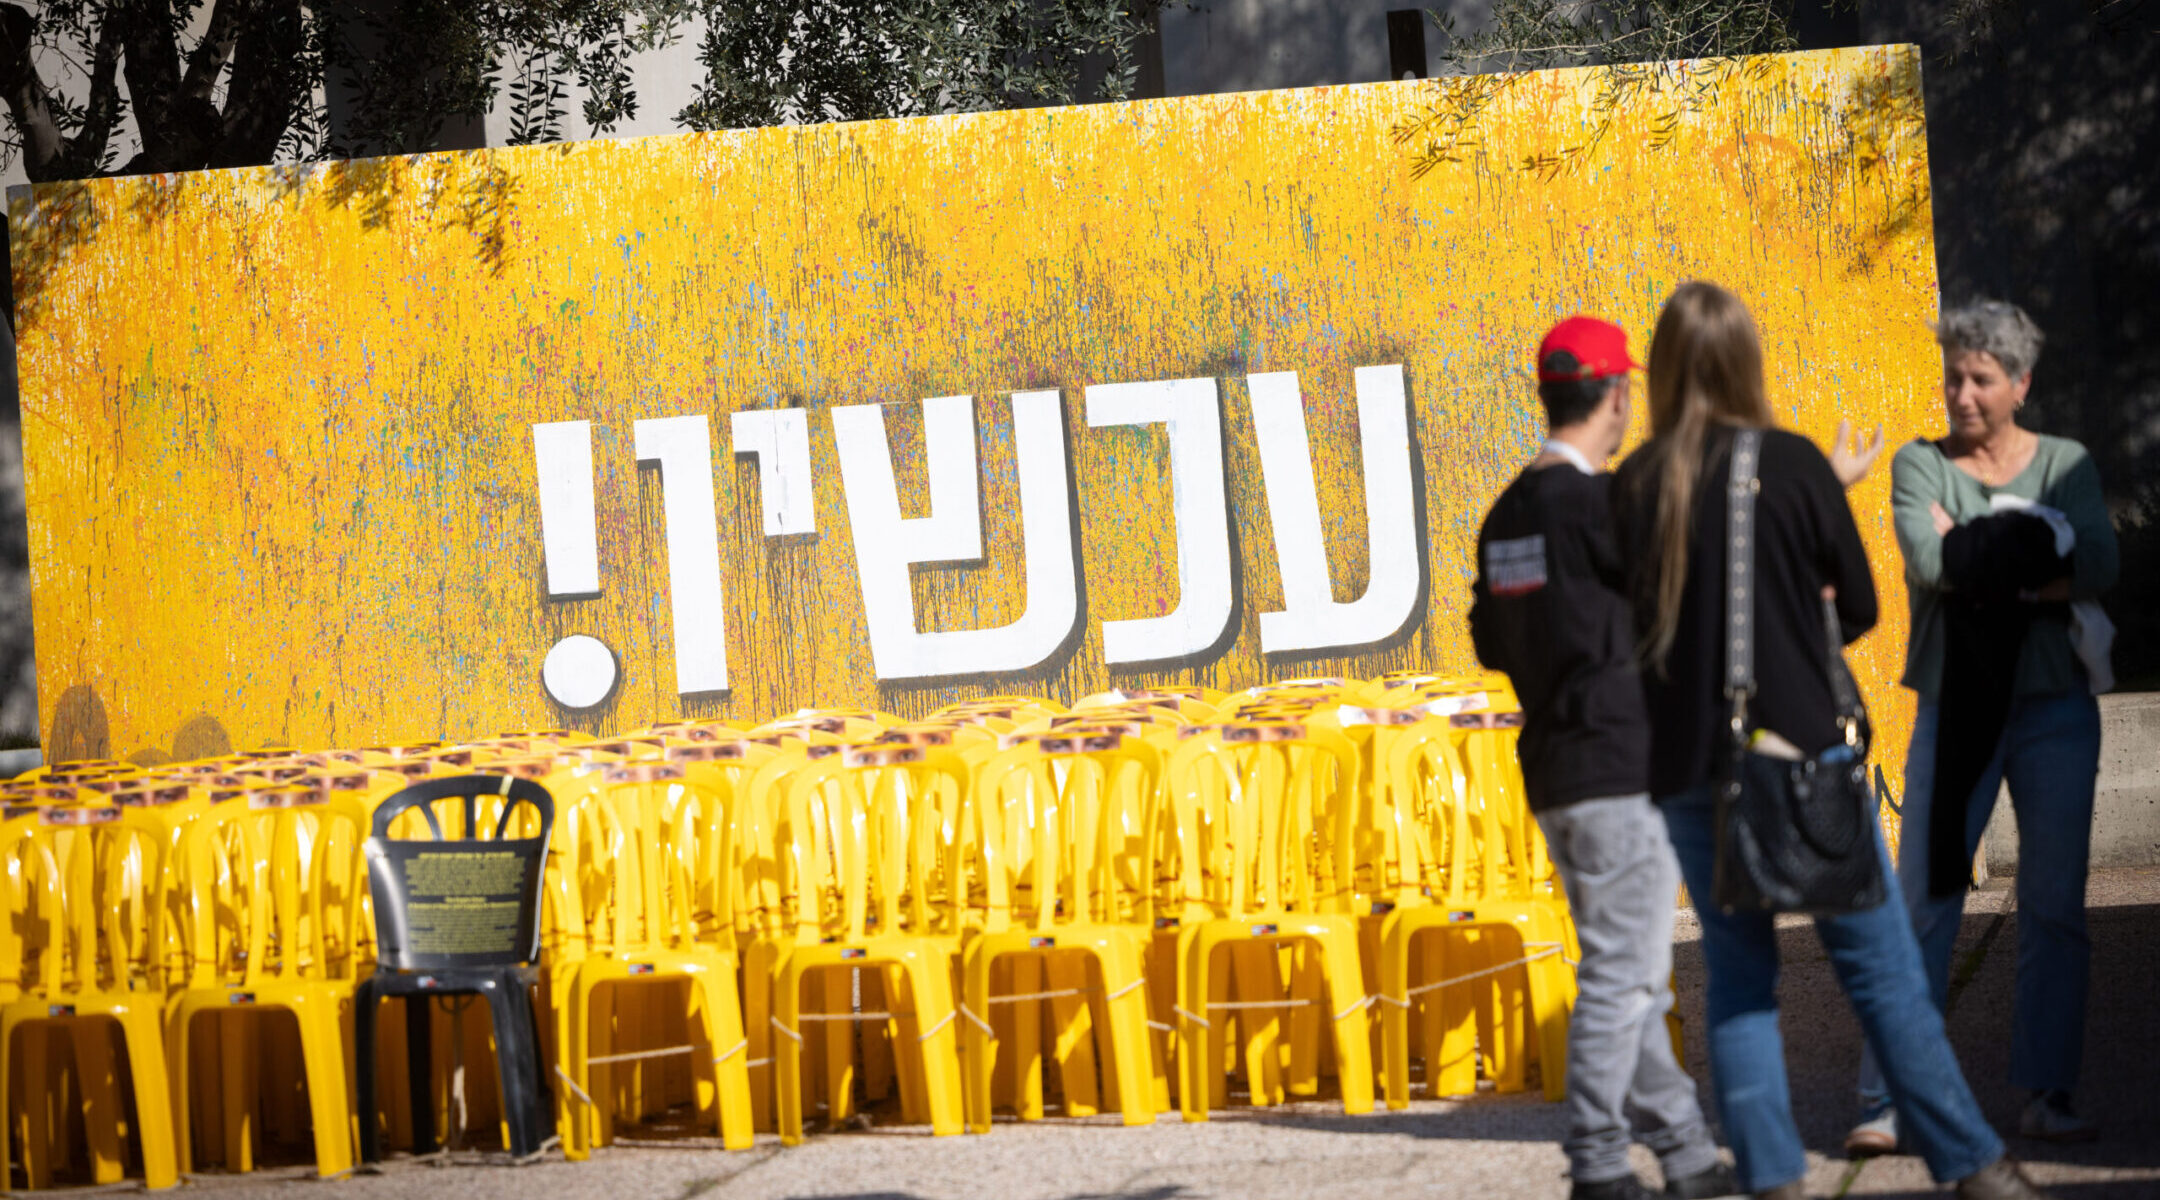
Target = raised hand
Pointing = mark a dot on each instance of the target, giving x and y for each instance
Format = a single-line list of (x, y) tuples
[(1849, 458)]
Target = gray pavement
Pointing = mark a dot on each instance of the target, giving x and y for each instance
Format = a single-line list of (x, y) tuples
[(1490, 1146)]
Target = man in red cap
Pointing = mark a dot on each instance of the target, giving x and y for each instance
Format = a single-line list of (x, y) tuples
[(1549, 610)]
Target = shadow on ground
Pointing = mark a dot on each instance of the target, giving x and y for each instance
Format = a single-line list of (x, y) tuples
[(1822, 1043)]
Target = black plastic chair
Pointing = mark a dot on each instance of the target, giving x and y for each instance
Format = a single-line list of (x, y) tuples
[(458, 918)]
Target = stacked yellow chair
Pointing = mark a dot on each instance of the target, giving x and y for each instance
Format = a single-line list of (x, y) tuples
[(1057, 828), (864, 841), (269, 880), (84, 944), (1262, 813), (649, 819), (1467, 866)]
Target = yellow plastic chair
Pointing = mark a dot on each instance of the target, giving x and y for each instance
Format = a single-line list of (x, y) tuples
[(656, 829), (1464, 846), (853, 1052), (272, 879), (1251, 805), (876, 877), (83, 886), (768, 901), (1049, 818)]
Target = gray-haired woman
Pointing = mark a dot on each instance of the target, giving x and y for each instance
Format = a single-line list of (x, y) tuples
[(2006, 542)]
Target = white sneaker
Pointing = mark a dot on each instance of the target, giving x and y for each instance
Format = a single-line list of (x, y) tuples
[(1875, 1136)]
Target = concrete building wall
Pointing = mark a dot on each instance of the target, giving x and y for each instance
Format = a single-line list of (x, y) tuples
[(1246, 45), (2126, 805)]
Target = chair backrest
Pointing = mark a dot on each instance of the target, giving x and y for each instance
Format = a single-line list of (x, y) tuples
[(868, 839), (1261, 817), (1475, 837), (473, 902), (652, 843), (265, 880), (92, 910), (1062, 816)]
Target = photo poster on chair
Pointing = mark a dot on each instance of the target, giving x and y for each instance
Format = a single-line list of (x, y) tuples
[(1211, 390)]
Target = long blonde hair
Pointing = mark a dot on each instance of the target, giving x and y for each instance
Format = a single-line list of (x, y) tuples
[(1705, 369)]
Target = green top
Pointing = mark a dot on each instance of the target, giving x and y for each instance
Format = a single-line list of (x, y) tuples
[(2061, 475)]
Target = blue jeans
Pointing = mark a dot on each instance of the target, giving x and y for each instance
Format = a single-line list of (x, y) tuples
[(2050, 754), (1877, 962)]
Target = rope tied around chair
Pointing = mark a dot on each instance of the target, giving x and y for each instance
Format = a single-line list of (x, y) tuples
[(1550, 949), (796, 1037)]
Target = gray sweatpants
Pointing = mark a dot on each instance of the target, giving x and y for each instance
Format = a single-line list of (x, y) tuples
[(1622, 881)]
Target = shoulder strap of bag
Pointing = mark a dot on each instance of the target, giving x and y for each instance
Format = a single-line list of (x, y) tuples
[(1851, 712), (1740, 491)]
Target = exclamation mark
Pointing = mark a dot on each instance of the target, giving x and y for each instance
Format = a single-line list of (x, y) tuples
[(579, 670)]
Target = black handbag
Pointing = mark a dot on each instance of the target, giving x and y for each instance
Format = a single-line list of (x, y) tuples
[(1793, 835)]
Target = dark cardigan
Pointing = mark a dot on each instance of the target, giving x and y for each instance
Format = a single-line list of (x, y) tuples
[(1987, 563)]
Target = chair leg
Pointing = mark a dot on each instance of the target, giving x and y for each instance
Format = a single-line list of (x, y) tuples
[(239, 1064), (569, 1109), (1498, 1034), (1196, 1034), (524, 1100), (731, 1079), (143, 1029), (787, 1047), (180, 1059), (100, 1098), (1346, 1012), (420, 1071), (1072, 1027), (64, 1097), (1027, 1046), (37, 1104), (937, 1042), (1004, 1070), (1227, 1028), (322, 1052), (1308, 1032), (393, 1092), (907, 1064), (1395, 1005), (14, 1100), (1163, 964), (1552, 998), (1125, 1006), (757, 968), (600, 1002), (204, 1102), (365, 1057), (976, 1048), (837, 985)]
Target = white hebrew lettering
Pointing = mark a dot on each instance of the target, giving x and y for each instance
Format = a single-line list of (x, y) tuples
[(1189, 413), (780, 438), (1311, 618), (886, 543), (562, 458), (683, 448)]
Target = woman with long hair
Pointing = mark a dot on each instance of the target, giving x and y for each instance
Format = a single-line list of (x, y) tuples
[(1706, 383)]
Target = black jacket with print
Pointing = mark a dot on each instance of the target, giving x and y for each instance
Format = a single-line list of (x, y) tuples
[(1549, 609)]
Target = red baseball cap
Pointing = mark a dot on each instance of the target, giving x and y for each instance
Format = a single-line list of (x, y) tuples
[(1594, 349)]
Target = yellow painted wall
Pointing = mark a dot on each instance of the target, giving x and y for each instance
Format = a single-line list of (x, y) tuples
[(277, 422)]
